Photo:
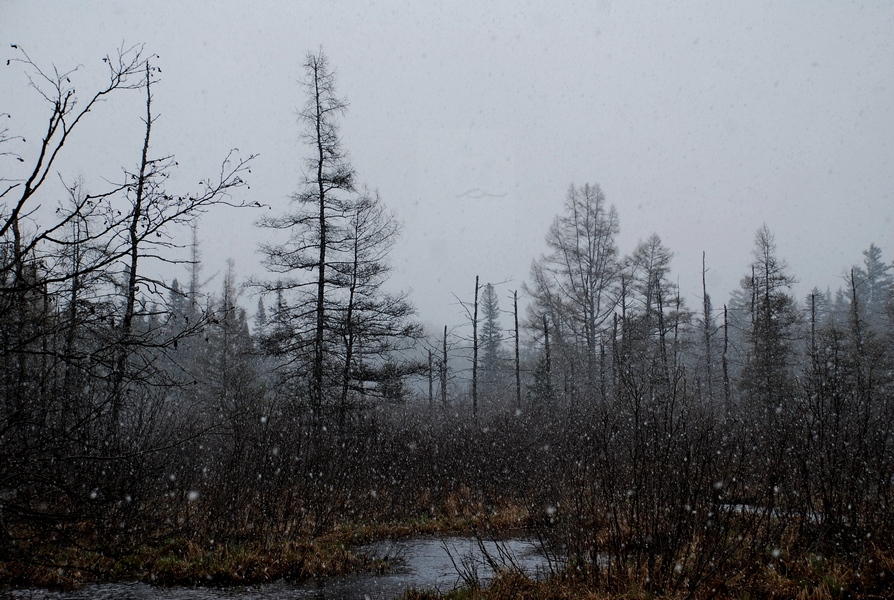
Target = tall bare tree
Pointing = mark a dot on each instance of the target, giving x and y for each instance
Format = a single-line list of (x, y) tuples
[(345, 329), (316, 226), (575, 283)]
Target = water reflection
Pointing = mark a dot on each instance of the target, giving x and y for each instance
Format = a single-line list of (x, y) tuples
[(436, 563)]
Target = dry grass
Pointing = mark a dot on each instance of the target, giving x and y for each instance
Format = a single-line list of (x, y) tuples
[(788, 574), (806, 578), (187, 562), (191, 561), (249, 563), (473, 517)]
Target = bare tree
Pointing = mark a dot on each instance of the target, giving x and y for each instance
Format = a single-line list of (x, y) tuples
[(475, 354), (443, 370), (124, 73), (518, 397), (315, 226), (146, 228), (346, 330), (87, 336), (575, 282), (708, 329)]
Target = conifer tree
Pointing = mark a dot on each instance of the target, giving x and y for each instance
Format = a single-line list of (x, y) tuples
[(491, 342), (335, 326), (767, 375)]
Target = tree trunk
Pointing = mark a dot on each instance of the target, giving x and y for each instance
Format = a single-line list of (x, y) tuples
[(724, 364), (431, 380), (317, 386), (518, 398), (706, 322), (124, 339), (444, 372), (475, 355)]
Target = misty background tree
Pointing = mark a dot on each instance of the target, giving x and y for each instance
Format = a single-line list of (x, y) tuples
[(574, 287), (494, 359)]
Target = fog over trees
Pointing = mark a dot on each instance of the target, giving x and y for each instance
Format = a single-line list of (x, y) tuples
[(663, 440)]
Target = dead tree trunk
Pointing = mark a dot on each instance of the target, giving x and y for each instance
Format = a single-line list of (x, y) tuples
[(547, 356), (518, 398), (444, 372), (475, 355), (724, 363), (707, 326), (431, 380)]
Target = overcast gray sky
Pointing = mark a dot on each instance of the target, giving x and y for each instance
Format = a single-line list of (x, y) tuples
[(700, 120)]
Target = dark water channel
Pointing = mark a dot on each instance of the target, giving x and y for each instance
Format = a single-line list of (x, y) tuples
[(421, 563)]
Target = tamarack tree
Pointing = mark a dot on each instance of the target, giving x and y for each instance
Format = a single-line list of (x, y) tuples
[(345, 333), (573, 287)]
